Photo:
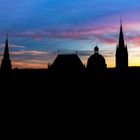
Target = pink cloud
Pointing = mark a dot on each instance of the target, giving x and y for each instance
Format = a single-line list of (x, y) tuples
[(109, 41), (70, 34), (33, 52), (134, 40), (12, 46)]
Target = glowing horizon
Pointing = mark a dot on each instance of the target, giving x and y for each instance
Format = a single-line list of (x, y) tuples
[(37, 29)]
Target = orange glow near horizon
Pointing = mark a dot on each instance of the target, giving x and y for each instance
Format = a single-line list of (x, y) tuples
[(25, 65), (133, 61), (36, 63)]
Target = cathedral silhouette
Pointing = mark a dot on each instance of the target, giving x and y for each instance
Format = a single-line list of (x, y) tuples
[(96, 62), (68, 79), (66, 63), (68, 88)]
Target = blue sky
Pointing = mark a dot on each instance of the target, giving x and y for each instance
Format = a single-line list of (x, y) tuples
[(38, 28)]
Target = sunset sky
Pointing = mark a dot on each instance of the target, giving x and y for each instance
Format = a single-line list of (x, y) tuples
[(37, 29)]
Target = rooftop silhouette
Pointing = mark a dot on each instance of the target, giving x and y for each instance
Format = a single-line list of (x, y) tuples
[(71, 66), (69, 82), (67, 63)]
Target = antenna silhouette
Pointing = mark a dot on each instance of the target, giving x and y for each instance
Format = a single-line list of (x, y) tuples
[(58, 51), (121, 21), (6, 35)]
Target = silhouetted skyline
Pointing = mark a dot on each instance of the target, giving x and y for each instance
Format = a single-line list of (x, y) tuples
[(71, 62), (37, 29)]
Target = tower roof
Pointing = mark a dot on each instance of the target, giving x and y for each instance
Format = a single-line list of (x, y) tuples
[(6, 51), (121, 36), (121, 52), (6, 62)]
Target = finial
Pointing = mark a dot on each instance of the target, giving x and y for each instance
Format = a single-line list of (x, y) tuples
[(96, 49), (58, 51), (121, 21), (6, 36), (96, 44)]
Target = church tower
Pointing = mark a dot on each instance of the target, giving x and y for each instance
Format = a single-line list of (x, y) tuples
[(121, 52), (6, 62)]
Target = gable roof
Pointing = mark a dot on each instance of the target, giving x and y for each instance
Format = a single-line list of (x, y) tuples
[(67, 62)]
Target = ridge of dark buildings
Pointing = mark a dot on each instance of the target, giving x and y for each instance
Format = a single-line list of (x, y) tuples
[(68, 92), (70, 66)]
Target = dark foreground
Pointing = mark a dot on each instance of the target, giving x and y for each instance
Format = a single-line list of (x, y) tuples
[(43, 83), (60, 105)]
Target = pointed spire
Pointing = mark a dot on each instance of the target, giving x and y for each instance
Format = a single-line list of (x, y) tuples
[(121, 51), (121, 36), (6, 62), (6, 51)]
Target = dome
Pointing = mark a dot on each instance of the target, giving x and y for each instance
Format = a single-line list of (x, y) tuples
[(96, 61)]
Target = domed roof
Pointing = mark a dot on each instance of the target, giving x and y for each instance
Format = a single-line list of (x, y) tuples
[(96, 61)]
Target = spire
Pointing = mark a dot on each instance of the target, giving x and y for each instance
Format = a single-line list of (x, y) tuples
[(6, 51), (121, 36), (6, 62), (121, 52)]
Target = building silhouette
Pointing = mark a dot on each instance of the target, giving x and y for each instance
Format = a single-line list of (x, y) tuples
[(96, 62), (121, 52), (6, 62), (71, 63), (67, 63)]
